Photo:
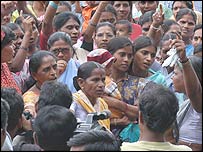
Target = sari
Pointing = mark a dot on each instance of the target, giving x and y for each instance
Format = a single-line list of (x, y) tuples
[(82, 106)]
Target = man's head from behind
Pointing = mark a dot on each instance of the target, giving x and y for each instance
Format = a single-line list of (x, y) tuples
[(53, 127)]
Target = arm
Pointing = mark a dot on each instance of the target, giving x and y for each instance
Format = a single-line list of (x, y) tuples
[(48, 18), (93, 22), (155, 31), (19, 59), (131, 111), (192, 84), (7, 7)]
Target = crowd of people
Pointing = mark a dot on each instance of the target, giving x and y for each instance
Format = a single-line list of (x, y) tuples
[(129, 72)]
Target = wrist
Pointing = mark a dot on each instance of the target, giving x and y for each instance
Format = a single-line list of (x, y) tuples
[(155, 27), (24, 48), (184, 60)]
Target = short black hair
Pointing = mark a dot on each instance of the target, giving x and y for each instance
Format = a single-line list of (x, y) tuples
[(54, 125), (159, 107), (54, 93), (4, 113), (16, 104), (95, 140)]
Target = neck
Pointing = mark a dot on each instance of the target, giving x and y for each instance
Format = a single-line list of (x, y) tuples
[(38, 86), (139, 73), (187, 40), (150, 136), (118, 75)]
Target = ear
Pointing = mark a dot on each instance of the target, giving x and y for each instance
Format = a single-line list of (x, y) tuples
[(81, 82)]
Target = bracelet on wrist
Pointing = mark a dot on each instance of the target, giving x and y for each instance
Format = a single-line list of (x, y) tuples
[(183, 61), (53, 5), (24, 48), (155, 28)]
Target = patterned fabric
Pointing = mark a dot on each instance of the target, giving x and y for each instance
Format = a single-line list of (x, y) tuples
[(7, 80), (99, 106), (30, 99), (130, 88), (102, 56)]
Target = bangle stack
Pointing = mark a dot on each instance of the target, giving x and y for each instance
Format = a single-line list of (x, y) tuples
[(53, 5), (92, 24), (184, 61)]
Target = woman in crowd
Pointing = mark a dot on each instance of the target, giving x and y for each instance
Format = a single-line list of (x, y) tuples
[(90, 85), (42, 67), (143, 57), (188, 79), (7, 52), (59, 43), (186, 18), (129, 86)]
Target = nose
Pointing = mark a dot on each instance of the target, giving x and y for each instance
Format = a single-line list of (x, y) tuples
[(149, 57), (53, 72), (199, 40), (75, 31)]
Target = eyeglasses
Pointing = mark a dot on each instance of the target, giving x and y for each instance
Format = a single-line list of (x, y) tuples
[(62, 50)]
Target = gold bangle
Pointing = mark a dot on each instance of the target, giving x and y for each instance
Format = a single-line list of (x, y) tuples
[(92, 24)]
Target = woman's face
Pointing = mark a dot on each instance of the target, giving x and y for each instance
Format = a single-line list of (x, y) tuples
[(7, 53), (178, 81), (146, 6), (107, 17), (47, 70), (19, 38), (197, 38), (164, 49), (177, 6), (144, 58), (124, 58), (94, 85), (102, 36), (187, 24), (62, 50), (123, 9), (73, 29)]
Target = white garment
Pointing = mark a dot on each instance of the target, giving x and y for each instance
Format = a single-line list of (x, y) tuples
[(7, 146)]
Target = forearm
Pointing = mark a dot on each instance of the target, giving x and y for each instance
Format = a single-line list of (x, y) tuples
[(192, 86), (93, 22), (48, 18), (155, 34), (19, 59), (78, 8)]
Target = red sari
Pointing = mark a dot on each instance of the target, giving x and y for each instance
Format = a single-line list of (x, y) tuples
[(7, 80)]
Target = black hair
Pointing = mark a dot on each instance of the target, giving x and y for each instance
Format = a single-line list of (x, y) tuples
[(110, 8), (36, 60), (59, 36), (106, 24), (168, 23), (16, 104), (197, 66), (4, 113), (95, 140), (54, 125), (159, 107), (54, 93), (146, 17), (125, 22), (197, 27), (185, 11), (141, 42), (13, 26), (187, 3), (167, 37), (84, 71), (9, 35), (118, 43), (60, 19)]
